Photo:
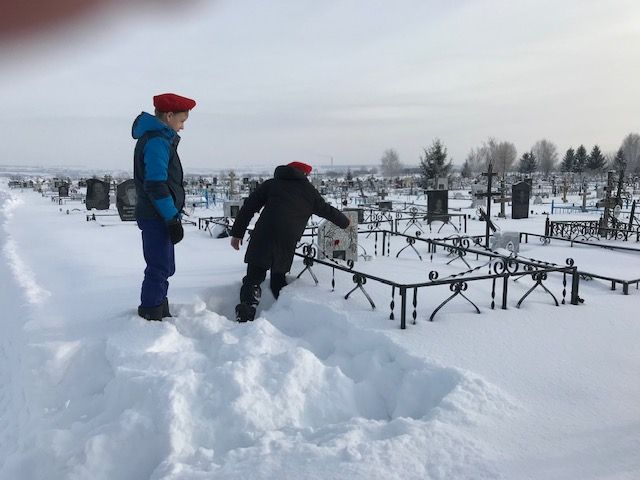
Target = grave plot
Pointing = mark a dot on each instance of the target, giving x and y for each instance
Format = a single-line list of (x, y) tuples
[(613, 263), (434, 276)]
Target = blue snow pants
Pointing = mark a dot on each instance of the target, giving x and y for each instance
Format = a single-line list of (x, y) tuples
[(159, 255)]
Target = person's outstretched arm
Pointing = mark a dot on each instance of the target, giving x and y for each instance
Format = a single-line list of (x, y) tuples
[(251, 206), (322, 209)]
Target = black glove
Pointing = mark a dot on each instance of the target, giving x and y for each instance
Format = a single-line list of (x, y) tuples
[(176, 232)]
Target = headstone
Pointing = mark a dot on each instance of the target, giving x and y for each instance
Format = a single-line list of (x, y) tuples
[(386, 205), (220, 231), (508, 240), (441, 183), (126, 199), (232, 207), (520, 193), (537, 200), (97, 195), (476, 200), (359, 211), (437, 205), (336, 243), (63, 190)]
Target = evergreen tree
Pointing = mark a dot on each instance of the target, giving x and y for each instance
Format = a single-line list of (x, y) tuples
[(528, 163), (619, 162), (596, 161), (434, 163), (567, 162), (580, 160)]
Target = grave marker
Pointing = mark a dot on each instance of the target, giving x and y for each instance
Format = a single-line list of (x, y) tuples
[(507, 240), (520, 193), (437, 205), (126, 199), (336, 243), (97, 194), (488, 194), (232, 207)]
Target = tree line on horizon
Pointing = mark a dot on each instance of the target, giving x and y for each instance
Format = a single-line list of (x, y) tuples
[(543, 157)]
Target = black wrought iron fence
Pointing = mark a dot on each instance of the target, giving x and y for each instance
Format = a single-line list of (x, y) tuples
[(500, 269)]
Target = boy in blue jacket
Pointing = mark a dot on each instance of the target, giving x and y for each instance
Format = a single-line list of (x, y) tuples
[(158, 176)]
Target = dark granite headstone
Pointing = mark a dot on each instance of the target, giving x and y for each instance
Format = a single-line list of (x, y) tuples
[(386, 205), (97, 195), (437, 205), (126, 198), (520, 193), (63, 190)]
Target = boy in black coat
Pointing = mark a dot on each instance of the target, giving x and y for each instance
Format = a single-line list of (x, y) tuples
[(289, 200)]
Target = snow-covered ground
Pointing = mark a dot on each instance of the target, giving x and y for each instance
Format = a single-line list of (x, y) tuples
[(317, 387)]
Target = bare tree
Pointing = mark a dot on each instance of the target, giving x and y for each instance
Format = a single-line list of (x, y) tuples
[(500, 154), (547, 155), (474, 163), (504, 154), (631, 150), (390, 163)]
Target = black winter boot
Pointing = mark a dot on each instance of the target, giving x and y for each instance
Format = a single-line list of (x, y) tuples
[(165, 309), (150, 313), (245, 313), (250, 294), (249, 299)]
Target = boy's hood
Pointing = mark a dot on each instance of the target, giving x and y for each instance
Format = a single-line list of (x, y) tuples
[(285, 172), (145, 122)]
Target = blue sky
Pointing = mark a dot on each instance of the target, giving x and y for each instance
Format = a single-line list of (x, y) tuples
[(307, 80)]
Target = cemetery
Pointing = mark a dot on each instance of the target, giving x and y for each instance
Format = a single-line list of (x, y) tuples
[(500, 273), (471, 315), (417, 252)]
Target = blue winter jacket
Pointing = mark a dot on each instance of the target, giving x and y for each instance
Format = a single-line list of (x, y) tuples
[(157, 170)]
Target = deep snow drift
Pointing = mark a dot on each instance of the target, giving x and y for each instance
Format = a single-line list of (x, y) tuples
[(316, 387)]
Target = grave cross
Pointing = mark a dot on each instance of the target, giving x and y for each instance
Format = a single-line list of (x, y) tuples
[(489, 174), (503, 198)]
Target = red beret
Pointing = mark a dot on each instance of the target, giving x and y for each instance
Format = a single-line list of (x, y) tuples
[(170, 102), (303, 167)]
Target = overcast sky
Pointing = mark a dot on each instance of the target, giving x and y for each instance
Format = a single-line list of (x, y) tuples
[(307, 80)]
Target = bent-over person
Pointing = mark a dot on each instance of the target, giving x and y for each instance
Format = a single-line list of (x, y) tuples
[(288, 200)]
